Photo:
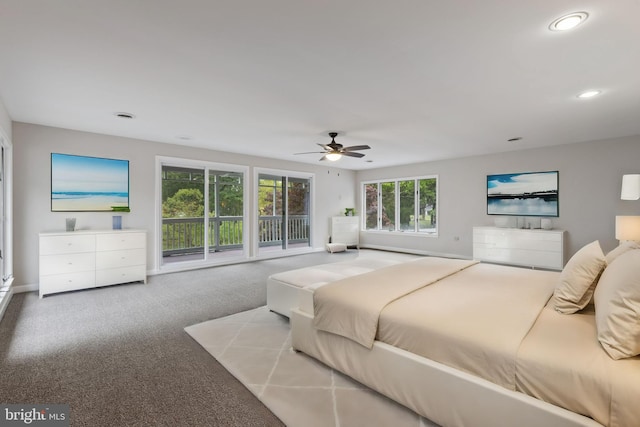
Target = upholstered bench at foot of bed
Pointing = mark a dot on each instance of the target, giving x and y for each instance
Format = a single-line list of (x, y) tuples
[(286, 290), (282, 297)]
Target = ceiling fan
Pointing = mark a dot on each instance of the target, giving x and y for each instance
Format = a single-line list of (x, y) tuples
[(333, 151)]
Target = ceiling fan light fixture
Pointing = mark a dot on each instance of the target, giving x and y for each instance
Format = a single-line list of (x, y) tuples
[(589, 94), (334, 151), (124, 115)]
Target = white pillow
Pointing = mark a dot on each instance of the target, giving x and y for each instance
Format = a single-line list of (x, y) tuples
[(578, 279), (617, 300), (622, 248)]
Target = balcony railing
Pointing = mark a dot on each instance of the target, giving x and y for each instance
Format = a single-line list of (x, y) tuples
[(270, 230), (181, 236)]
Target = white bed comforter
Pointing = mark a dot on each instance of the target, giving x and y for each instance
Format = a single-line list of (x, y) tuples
[(474, 320), (351, 307)]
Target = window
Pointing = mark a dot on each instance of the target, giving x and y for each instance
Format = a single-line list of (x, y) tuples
[(370, 198), (407, 191), (388, 202), (405, 205)]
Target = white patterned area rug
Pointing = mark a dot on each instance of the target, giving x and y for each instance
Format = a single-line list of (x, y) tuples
[(255, 346)]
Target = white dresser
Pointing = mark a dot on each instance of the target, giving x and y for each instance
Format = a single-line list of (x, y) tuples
[(91, 258), (522, 247), (345, 229)]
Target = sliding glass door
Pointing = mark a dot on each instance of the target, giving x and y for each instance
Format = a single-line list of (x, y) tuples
[(183, 219), (298, 200), (284, 214), (270, 211), (2, 216), (202, 212), (226, 211)]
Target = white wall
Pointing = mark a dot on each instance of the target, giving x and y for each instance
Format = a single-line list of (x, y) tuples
[(589, 193), (33, 145), (6, 137), (590, 178)]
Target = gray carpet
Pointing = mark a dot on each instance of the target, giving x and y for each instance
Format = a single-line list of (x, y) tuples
[(119, 355)]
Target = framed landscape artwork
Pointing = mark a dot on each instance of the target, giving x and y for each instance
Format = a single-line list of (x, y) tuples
[(523, 194), (89, 184)]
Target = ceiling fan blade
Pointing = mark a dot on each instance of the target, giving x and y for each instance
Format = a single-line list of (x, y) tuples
[(356, 148), (333, 150), (352, 154)]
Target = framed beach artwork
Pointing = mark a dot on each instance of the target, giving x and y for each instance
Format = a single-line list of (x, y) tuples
[(89, 184), (523, 194)]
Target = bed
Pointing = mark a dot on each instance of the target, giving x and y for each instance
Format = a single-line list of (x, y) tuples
[(472, 344)]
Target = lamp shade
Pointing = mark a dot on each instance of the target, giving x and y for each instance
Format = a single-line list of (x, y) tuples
[(630, 187), (628, 228)]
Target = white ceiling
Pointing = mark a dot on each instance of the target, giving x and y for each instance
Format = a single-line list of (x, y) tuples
[(417, 80)]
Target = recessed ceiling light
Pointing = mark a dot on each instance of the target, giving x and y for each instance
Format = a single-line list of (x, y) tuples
[(589, 94), (569, 21), (124, 115), (517, 138)]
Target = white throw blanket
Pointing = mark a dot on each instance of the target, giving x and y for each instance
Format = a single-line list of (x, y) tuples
[(351, 307)]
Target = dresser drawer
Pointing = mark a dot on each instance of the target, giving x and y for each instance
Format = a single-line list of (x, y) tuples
[(113, 276), (66, 282), (524, 239), (124, 258), (119, 240), (515, 256), (67, 244), (67, 263), (532, 248), (86, 259)]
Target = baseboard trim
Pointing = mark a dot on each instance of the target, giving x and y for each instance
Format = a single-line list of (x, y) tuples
[(4, 303), (26, 288), (179, 267), (413, 251)]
